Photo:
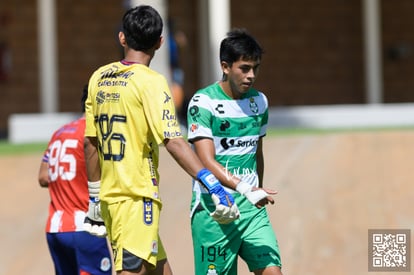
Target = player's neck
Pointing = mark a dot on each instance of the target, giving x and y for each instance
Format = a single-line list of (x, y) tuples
[(137, 57), (226, 87)]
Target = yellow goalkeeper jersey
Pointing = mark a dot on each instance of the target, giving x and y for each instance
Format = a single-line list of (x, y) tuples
[(130, 110)]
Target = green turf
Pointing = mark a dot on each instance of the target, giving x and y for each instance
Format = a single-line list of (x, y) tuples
[(12, 149)]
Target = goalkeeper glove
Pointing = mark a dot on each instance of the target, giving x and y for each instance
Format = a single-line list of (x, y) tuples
[(93, 221), (226, 210), (253, 196)]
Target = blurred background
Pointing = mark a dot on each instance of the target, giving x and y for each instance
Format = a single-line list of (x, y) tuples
[(318, 52)]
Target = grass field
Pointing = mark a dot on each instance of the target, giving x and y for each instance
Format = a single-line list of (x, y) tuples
[(13, 149)]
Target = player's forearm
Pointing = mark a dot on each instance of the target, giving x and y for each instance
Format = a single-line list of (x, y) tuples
[(222, 174), (43, 177), (91, 158), (205, 150)]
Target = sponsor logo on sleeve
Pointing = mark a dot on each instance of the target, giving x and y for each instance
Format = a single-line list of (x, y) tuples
[(167, 97), (168, 134), (171, 119), (193, 127), (194, 112), (154, 247)]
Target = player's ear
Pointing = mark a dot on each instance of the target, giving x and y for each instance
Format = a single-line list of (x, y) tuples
[(159, 43), (121, 37), (225, 67)]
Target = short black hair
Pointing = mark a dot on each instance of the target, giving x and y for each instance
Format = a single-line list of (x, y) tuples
[(142, 27), (239, 44)]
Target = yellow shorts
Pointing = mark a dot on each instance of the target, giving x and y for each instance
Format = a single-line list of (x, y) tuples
[(132, 227)]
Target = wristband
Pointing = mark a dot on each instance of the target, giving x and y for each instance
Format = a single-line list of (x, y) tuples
[(93, 188), (243, 187), (207, 179)]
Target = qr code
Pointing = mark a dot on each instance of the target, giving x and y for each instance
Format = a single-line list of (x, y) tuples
[(389, 250)]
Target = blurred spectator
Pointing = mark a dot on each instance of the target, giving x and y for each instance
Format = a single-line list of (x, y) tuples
[(177, 41)]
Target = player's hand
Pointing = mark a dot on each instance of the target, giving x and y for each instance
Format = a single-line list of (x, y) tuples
[(224, 214), (226, 210), (94, 223), (256, 196)]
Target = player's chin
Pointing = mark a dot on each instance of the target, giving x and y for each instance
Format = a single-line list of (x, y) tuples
[(242, 91), (244, 88)]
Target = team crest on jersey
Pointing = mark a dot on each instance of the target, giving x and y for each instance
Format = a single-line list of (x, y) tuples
[(148, 215), (253, 106), (211, 270)]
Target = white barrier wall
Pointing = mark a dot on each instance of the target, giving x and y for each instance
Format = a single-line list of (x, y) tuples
[(27, 128), (343, 116)]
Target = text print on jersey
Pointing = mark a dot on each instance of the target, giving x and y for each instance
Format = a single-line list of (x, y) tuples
[(227, 143), (61, 162), (112, 143)]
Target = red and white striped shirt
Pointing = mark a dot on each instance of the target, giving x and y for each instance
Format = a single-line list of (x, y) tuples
[(68, 187)]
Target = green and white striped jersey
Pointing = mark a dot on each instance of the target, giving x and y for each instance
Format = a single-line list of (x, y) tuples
[(235, 126)]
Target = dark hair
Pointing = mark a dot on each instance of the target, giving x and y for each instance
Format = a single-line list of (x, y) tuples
[(239, 44), (142, 27), (84, 97)]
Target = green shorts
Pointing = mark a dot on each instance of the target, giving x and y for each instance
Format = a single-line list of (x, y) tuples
[(217, 246)]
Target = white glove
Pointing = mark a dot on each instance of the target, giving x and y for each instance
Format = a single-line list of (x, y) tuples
[(253, 196), (94, 223), (224, 214), (226, 209)]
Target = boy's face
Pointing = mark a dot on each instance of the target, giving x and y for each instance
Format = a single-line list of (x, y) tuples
[(241, 74)]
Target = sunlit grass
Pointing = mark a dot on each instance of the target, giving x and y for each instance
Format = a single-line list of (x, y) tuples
[(7, 148)]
